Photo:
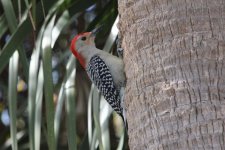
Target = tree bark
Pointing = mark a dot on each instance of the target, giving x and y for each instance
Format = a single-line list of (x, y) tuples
[(174, 62)]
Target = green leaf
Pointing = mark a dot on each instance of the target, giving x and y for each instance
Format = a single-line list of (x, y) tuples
[(121, 142), (94, 140), (58, 111), (3, 25), (32, 87), (12, 97), (12, 23), (70, 111), (112, 36), (61, 23), (38, 110), (69, 68), (96, 104), (9, 14), (90, 99), (102, 16), (20, 34), (33, 78), (15, 40), (79, 5), (48, 83), (105, 112), (34, 11)]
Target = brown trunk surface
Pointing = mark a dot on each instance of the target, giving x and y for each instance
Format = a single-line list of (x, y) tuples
[(174, 63)]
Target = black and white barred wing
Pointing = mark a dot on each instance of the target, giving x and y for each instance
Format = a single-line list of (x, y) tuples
[(100, 75)]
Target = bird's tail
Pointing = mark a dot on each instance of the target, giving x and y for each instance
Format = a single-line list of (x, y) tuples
[(122, 90)]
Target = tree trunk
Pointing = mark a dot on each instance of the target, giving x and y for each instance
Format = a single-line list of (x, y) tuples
[(174, 63)]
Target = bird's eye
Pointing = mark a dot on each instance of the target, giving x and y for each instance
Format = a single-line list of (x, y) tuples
[(83, 38)]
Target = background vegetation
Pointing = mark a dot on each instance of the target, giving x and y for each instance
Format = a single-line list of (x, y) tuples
[(46, 98)]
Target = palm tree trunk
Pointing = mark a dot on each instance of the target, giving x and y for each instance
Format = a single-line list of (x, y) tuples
[(174, 63)]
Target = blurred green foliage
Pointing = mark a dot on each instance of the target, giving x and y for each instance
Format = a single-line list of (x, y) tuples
[(46, 98)]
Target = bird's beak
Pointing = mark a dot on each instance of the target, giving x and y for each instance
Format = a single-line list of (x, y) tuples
[(96, 30)]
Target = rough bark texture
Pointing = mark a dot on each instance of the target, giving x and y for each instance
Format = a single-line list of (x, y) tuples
[(174, 62)]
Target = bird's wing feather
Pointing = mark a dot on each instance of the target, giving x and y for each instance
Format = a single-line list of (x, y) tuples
[(100, 74)]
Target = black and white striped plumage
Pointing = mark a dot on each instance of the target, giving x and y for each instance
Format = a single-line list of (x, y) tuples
[(100, 74)]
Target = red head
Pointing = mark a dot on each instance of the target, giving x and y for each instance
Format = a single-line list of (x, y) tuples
[(78, 42)]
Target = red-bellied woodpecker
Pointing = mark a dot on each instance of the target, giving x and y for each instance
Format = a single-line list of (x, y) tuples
[(105, 70)]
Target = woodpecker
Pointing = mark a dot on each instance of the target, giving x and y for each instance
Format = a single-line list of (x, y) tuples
[(105, 70)]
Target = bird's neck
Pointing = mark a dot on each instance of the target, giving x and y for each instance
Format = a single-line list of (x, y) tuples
[(87, 52), (80, 59)]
